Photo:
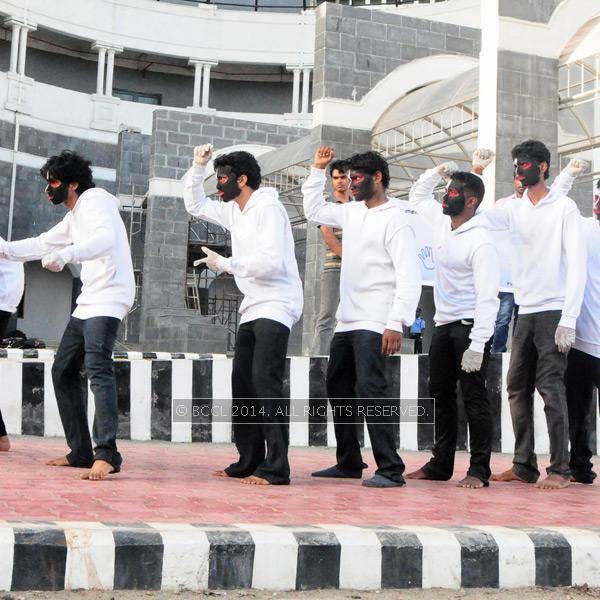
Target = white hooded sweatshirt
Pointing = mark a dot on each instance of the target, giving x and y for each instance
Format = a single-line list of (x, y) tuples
[(262, 261), (12, 281), (91, 234), (467, 274)]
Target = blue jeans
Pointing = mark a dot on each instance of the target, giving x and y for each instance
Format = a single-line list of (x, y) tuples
[(505, 313), (88, 343)]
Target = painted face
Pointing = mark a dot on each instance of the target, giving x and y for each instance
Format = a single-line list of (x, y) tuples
[(454, 199), (56, 191), (227, 185), (340, 181), (527, 170), (362, 185)]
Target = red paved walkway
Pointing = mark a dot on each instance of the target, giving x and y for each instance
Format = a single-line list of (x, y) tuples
[(170, 482)]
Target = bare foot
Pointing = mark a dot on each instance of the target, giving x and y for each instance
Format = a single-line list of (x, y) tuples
[(553, 482), (254, 480), (220, 474), (418, 474), (470, 482), (61, 461), (508, 475), (100, 469), (4, 444)]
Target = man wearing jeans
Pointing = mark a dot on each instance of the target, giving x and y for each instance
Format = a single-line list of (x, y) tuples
[(380, 285), (11, 291), (91, 234), (465, 291), (549, 269), (264, 266)]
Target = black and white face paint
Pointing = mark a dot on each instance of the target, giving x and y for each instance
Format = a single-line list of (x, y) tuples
[(453, 202), (227, 185), (527, 170), (57, 191), (362, 185)]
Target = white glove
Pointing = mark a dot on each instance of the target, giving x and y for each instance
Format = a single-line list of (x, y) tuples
[(53, 262), (482, 157), (576, 167), (446, 169), (471, 361), (213, 260), (202, 155), (564, 338)]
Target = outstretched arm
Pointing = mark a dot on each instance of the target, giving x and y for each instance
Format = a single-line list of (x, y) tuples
[(34, 248)]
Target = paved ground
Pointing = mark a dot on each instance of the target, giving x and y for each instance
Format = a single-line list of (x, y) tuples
[(172, 482), (485, 594)]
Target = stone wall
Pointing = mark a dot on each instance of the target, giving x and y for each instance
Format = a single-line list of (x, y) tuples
[(355, 48), (133, 163), (538, 11)]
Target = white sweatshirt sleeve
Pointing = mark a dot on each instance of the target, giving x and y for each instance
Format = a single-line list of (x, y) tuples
[(316, 208), (402, 248), (563, 182), (34, 248), (575, 253), (493, 219), (268, 258), (198, 204), (486, 276), (421, 196)]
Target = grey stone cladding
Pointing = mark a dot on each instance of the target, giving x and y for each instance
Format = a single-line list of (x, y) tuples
[(355, 48), (133, 163), (528, 10)]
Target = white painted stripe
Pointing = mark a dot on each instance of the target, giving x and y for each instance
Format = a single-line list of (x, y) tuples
[(275, 557), (7, 549), (182, 400), (135, 355), (46, 354), (36, 162), (542, 443), (299, 395), (585, 555), (191, 355), (90, 561), (516, 557), (360, 557), (91, 406), (11, 398), (185, 557), (163, 356), (507, 436), (221, 385), (409, 392), (441, 557), (140, 398), (52, 423)]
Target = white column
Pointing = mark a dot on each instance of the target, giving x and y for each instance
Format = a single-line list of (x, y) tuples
[(25, 28), (305, 90), (100, 73), (14, 44), (205, 84), (110, 69), (197, 83), (295, 90)]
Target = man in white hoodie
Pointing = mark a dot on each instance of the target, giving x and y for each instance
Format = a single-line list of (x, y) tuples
[(380, 285), (465, 291), (11, 290), (264, 266), (583, 365), (92, 234), (548, 265)]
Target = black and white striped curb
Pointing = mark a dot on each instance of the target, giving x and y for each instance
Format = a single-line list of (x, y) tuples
[(57, 556), (148, 384)]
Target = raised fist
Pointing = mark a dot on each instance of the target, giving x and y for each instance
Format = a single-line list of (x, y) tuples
[(576, 167), (482, 157), (202, 154), (446, 169), (323, 156)]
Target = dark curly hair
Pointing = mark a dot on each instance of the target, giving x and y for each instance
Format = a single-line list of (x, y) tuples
[(369, 163), (472, 184), (534, 149), (338, 165), (241, 163), (69, 167)]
